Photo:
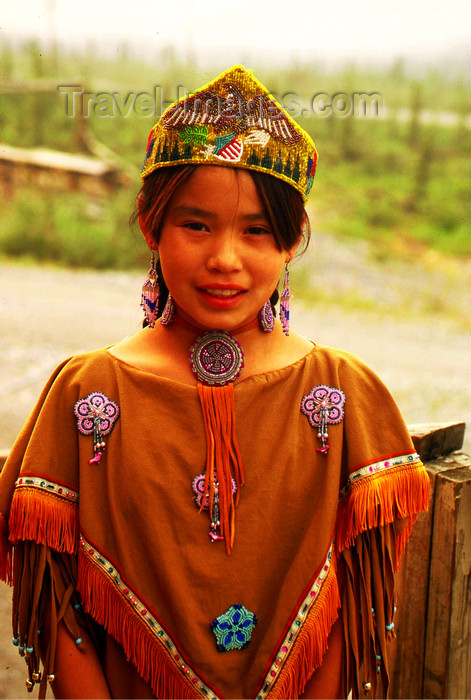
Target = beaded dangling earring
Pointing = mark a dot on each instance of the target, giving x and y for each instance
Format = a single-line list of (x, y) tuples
[(284, 303), (150, 294), (168, 314), (265, 317)]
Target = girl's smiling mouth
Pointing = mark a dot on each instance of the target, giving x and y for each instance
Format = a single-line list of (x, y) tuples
[(221, 297), (222, 292)]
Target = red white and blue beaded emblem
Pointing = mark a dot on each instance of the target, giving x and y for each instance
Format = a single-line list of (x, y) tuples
[(233, 629), (216, 358), (323, 406), (96, 414)]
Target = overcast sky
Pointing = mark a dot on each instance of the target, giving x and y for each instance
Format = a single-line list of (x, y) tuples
[(258, 29)]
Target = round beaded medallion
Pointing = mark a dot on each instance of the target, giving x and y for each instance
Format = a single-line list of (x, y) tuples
[(216, 358)]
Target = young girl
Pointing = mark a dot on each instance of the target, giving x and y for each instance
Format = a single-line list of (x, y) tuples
[(213, 507)]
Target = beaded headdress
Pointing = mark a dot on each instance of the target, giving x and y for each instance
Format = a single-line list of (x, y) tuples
[(233, 121)]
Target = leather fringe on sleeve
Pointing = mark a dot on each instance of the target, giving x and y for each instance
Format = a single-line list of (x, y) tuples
[(6, 559), (368, 610), (369, 552), (38, 557), (43, 597)]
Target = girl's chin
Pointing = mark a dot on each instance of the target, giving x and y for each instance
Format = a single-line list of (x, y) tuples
[(217, 319)]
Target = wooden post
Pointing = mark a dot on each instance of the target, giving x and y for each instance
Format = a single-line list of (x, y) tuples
[(431, 657), (407, 651), (447, 667)]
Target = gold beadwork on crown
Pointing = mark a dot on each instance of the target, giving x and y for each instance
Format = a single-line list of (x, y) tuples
[(233, 121)]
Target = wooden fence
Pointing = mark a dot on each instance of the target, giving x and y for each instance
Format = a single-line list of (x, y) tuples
[(431, 656)]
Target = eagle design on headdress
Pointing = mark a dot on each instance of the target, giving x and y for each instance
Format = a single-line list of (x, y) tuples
[(232, 111)]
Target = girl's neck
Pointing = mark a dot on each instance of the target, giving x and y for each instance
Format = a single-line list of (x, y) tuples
[(164, 351), (179, 321)]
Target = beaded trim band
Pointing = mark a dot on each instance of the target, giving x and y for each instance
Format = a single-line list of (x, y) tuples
[(233, 121), (292, 634), (145, 617), (381, 466), (46, 486)]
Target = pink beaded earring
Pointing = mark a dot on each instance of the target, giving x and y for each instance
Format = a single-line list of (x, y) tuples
[(168, 314), (150, 294), (284, 303), (265, 317)]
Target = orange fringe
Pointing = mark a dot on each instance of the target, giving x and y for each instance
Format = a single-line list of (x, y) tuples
[(222, 453), (103, 602), (379, 499), (43, 597), (311, 644), (47, 520), (367, 607), (6, 558)]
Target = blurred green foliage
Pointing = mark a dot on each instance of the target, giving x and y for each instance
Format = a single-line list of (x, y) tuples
[(72, 230), (397, 180)]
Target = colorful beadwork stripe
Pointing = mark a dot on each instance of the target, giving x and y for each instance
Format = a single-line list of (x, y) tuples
[(47, 486), (147, 618), (294, 630), (381, 466)]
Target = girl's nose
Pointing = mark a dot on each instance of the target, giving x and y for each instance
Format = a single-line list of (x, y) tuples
[(224, 254)]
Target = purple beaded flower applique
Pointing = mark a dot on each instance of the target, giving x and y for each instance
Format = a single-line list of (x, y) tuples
[(96, 414), (202, 502), (323, 406)]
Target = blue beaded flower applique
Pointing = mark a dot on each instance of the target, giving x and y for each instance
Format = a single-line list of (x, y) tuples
[(233, 629)]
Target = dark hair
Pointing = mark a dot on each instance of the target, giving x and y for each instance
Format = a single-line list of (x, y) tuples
[(282, 203)]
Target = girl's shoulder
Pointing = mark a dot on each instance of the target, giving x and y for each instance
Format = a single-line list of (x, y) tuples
[(79, 374), (83, 364)]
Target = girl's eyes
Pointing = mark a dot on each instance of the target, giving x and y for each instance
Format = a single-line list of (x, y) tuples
[(195, 226), (253, 230), (258, 231)]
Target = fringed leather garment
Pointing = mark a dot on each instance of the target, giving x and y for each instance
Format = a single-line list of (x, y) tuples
[(96, 503)]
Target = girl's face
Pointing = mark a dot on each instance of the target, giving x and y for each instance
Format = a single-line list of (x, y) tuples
[(217, 251)]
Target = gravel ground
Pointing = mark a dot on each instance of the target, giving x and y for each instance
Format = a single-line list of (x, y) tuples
[(47, 314)]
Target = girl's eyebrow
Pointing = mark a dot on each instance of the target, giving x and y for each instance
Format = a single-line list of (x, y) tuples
[(188, 210), (256, 216)]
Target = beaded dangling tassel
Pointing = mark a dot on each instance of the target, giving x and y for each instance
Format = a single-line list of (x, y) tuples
[(150, 294), (284, 303), (169, 312)]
